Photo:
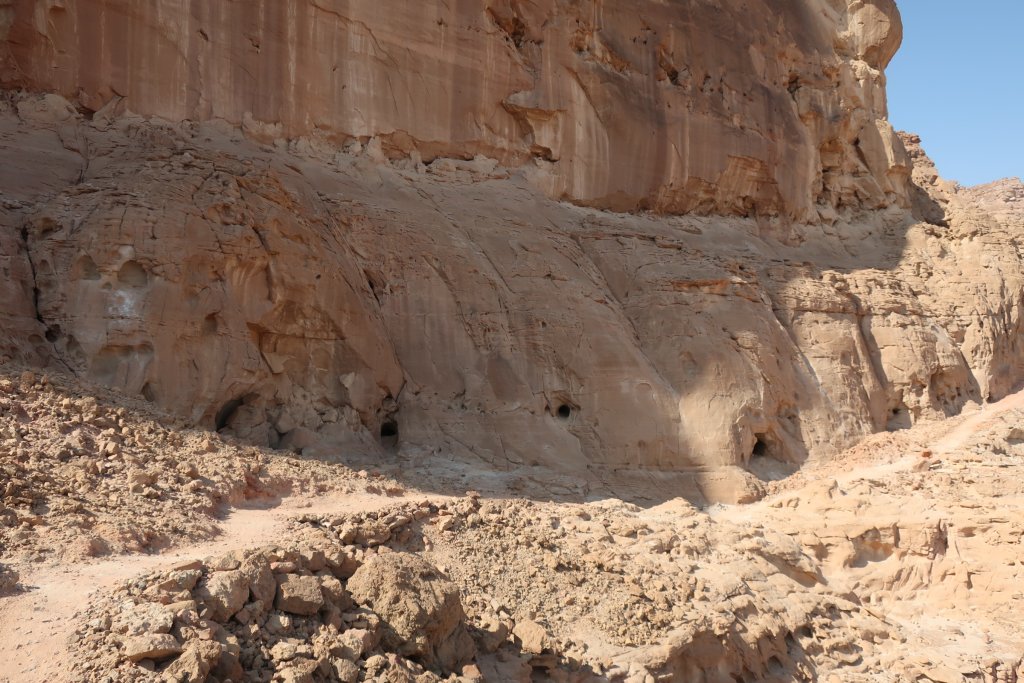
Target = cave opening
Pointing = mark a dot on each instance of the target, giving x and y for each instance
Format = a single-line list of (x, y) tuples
[(760, 449), (899, 418), (389, 432), (769, 458), (226, 412), (564, 411)]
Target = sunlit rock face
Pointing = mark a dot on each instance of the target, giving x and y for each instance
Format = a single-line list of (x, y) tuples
[(342, 227), (740, 108)]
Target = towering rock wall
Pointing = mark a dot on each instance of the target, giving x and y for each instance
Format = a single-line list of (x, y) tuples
[(766, 108), (337, 228)]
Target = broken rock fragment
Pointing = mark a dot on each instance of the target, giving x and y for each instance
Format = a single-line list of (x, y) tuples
[(195, 662), (300, 595), (421, 608), (153, 646), (224, 593)]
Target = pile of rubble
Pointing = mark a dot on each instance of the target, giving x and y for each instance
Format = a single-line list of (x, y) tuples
[(390, 583), (320, 612), (473, 589), (89, 473)]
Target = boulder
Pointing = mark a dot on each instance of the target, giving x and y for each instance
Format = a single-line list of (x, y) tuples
[(420, 607), (354, 643), (147, 618), (344, 670), (300, 595), (532, 637), (223, 593), (8, 580), (262, 585), (299, 670), (195, 663), (155, 646), (334, 592)]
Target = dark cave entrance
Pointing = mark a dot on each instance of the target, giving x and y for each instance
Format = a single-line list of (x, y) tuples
[(768, 459), (389, 433), (226, 412)]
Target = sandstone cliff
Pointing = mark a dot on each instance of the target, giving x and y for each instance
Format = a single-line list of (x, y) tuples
[(741, 108), (339, 229)]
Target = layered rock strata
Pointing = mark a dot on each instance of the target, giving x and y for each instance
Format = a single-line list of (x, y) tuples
[(761, 108), (202, 239)]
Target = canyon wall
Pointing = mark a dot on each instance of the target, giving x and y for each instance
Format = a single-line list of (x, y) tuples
[(766, 108), (341, 228)]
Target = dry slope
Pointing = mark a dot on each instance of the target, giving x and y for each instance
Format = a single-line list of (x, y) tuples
[(882, 566)]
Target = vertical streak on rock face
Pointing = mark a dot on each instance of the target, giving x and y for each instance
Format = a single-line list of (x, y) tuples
[(735, 108)]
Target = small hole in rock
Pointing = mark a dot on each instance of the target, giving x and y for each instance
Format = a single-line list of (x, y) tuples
[(87, 268), (389, 429), (132, 274), (210, 324), (760, 448), (564, 412)]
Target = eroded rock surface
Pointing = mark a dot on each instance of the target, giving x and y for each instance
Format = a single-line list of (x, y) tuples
[(331, 303), (335, 231), (604, 262), (731, 107), (318, 302)]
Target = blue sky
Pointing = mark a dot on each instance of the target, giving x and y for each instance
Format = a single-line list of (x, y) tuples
[(958, 81)]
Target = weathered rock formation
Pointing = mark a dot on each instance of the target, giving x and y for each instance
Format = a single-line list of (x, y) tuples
[(339, 229), (739, 108)]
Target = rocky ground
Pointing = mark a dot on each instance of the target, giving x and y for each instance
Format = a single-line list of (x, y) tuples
[(148, 551), (87, 473)]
